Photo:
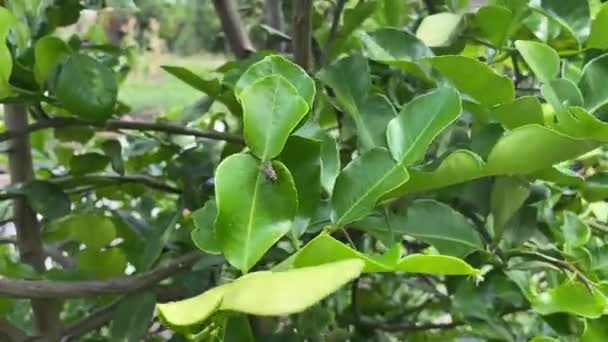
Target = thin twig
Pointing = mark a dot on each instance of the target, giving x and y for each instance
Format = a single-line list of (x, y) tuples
[(561, 264), (93, 321), (101, 180), (113, 125), (74, 289), (333, 31)]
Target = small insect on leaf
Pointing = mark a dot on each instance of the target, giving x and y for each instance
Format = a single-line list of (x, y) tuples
[(269, 172)]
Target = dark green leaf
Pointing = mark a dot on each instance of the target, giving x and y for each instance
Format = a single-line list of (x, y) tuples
[(88, 163), (592, 83), (47, 199), (102, 264), (49, 52), (113, 149), (204, 233), (132, 317), (95, 96)]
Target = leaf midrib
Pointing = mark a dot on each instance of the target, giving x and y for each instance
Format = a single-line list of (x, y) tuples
[(250, 220)]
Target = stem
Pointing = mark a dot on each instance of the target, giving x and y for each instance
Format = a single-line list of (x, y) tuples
[(274, 18), (112, 125), (75, 289), (333, 31), (233, 28), (29, 240), (302, 34)]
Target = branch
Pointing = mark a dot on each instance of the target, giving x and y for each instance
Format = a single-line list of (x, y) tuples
[(112, 125), (233, 28), (71, 289), (107, 180), (9, 331), (563, 265), (302, 34), (29, 239), (333, 31), (93, 321), (409, 327)]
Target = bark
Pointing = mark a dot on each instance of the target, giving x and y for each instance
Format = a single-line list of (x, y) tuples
[(235, 32), (29, 241), (274, 18), (302, 34)]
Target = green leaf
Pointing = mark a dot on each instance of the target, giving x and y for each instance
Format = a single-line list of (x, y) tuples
[(597, 38), (281, 293), (372, 113), (576, 232), (475, 78), (49, 52), (88, 163), (95, 231), (104, 264), (420, 122), (47, 199), (542, 59), (438, 30), (113, 149), (353, 18), (570, 297), (278, 65), (237, 329), (203, 235), (435, 264), (442, 227), (508, 195), (495, 23), (132, 317), (592, 83), (256, 207), (272, 108), (543, 147), (574, 14), (544, 339), (95, 96), (325, 249), (596, 330), (362, 182), (398, 48), (212, 87), (303, 159), (522, 111), (330, 162), (6, 60)]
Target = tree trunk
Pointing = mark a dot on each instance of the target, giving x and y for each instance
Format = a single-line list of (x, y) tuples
[(273, 16), (29, 241), (233, 28), (302, 34)]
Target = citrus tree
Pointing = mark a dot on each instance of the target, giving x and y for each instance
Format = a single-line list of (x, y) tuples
[(404, 171)]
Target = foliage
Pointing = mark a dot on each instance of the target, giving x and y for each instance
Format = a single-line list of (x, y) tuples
[(440, 175)]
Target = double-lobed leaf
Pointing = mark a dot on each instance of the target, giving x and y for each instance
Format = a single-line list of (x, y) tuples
[(256, 206)]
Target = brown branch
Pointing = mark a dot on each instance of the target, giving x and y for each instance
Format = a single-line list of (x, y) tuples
[(10, 332), (109, 180), (302, 34), (113, 125), (29, 240), (333, 31), (233, 28), (274, 18), (120, 285), (93, 321)]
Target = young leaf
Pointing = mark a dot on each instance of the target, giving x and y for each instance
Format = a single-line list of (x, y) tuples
[(278, 65), (435, 264), (419, 123), (542, 59), (439, 29), (442, 227), (303, 158), (475, 78), (255, 209), (203, 235), (576, 232), (95, 96), (265, 293), (362, 182), (272, 108)]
